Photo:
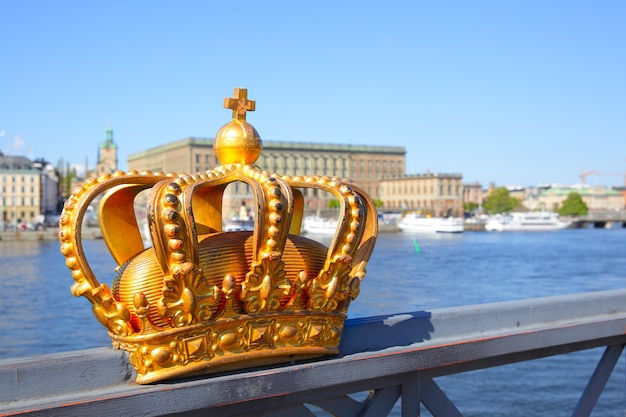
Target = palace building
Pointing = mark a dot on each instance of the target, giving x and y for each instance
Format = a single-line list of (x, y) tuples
[(365, 165)]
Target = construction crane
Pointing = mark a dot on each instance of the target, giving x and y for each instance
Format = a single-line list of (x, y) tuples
[(613, 175), (585, 174)]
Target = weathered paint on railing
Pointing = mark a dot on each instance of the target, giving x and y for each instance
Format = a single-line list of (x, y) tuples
[(391, 357)]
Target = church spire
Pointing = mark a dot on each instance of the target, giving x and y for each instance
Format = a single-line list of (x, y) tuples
[(107, 154), (108, 138)]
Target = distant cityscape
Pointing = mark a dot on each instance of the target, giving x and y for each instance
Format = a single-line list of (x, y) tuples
[(32, 191)]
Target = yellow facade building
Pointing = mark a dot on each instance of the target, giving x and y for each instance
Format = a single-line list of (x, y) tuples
[(28, 192), (596, 198), (431, 193)]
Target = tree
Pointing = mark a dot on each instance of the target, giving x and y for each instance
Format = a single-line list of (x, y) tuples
[(573, 205), (333, 203), (470, 207), (67, 177), (500, 201)]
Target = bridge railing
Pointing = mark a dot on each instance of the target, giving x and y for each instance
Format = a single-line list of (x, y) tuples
[(387, 360), (601, 215)]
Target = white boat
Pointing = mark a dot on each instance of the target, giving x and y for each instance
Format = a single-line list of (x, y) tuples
[(531, 221), (319, 226), (415, 222), (237, 224)]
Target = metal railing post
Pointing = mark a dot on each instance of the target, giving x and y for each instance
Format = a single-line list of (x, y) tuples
[(598, 380)]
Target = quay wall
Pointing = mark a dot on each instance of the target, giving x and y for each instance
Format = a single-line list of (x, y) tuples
[(474, 227), (48, 234), (95, 233), (29, 235)]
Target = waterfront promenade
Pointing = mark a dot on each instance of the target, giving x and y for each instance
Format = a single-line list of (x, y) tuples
[(94, 232), (51, 233)]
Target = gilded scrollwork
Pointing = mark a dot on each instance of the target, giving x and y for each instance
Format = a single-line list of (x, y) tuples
[(329, 291), (265, 285), (109, 312), (188, 298)]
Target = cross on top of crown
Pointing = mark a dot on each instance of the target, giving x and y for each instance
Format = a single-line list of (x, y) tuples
[(239, 104)]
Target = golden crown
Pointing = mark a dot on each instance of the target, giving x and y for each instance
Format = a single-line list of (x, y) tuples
[(201, 300)]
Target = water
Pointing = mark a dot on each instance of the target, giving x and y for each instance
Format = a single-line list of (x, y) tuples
[(480, 267), (37, 312), (406, 273)]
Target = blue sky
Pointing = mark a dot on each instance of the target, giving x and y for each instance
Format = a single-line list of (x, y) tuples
[(511, 92)]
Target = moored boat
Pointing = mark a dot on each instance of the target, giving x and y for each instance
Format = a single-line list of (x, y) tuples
[(419, 223), (237, 224), (531, 221), (319, 225)]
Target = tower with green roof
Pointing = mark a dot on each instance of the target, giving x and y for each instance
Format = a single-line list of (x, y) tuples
[(107, 154)]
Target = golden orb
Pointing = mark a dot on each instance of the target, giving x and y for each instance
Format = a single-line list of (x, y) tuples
[(238, 142)]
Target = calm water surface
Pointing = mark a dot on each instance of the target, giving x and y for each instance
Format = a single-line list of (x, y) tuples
[(406, 273)]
